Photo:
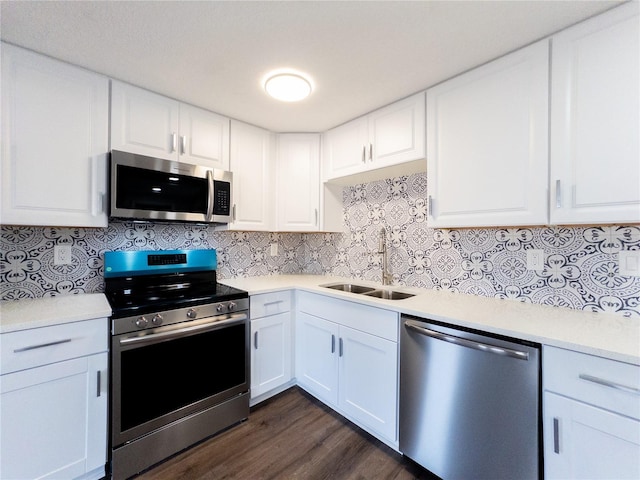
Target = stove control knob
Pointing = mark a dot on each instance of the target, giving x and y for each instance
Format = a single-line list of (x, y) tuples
[(157, 319), (142, 322), (220, 308), (191, 313), (232, 306)]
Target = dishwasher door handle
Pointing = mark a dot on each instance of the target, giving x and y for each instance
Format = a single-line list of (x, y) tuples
[(463, 342)]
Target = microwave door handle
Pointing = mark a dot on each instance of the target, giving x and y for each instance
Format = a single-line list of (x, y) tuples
[(211, 195)]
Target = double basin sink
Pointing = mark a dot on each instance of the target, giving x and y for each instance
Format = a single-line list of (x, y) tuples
[(386, 294)]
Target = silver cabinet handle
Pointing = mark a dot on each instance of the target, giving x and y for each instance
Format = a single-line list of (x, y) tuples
[(255, 340), (211, 196), (341, 348), (234, 212), (364, 154), (275, 302), (41, 345), (174, 142), (316, 221), (608, 383), (463, 342), (333, 343), (99, 376), (183, 145), (556, 435), (558, 194), (371, 152)]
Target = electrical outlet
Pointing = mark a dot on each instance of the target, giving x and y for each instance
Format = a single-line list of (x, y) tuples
[(274, 249), (629, 263), (535, 260), (62, 255)]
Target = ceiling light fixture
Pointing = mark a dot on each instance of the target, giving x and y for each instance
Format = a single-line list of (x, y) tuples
[(287, 86)]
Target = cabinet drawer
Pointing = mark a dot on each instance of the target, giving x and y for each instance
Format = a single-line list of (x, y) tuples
[(595, 380), (42, 346), (266, 304), (373, 320)]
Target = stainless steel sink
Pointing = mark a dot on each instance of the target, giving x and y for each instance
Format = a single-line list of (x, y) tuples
[(349, 287), (389, 294)]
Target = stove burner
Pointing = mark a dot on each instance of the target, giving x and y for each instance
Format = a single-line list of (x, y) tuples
[(141, 283)]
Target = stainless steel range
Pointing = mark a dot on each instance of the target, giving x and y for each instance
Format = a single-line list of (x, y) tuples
[(179, 354)]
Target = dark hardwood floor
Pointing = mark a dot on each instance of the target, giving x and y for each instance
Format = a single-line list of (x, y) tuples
[(290, 436)]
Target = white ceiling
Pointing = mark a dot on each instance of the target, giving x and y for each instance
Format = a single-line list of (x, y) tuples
[(361, 54)]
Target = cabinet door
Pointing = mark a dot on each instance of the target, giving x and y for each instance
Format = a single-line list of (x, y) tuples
[(487, 137), (298, 186), (317, 356), (397, 132), (143, 122), (204, 138), (369, 380), (252, 163), (346, 149), (595, 120), (582, 441), (54, 142), (270, 353), (58, 411)]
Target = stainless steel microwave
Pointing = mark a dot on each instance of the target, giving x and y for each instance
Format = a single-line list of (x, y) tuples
[(147, 188)]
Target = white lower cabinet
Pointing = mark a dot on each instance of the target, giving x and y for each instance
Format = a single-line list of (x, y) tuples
[(54, 416), (271, 344), (347, 356), (591, 417), (316, 358)]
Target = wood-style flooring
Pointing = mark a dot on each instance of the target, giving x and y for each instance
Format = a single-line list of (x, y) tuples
[(290, 436)]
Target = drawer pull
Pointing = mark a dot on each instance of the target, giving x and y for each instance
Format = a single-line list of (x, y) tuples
[(99, 390), (42, 345), (556, 436), (273, 303), (610, 384)]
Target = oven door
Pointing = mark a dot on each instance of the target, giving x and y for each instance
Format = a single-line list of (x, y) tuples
[(163, 374)]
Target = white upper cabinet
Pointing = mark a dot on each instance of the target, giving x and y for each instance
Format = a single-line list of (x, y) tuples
[(298, 184), (204, 137), (54, 142), (595, 120), (487, 143), (361, 150), (146, 123), (252, 162)]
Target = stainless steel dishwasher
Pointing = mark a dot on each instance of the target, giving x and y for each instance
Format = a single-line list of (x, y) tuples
[(469, 403)]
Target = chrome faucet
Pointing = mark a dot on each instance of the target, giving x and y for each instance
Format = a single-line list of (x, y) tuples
[(382, 249)]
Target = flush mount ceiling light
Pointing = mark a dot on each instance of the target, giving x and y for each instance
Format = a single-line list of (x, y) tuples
[(287, 86)]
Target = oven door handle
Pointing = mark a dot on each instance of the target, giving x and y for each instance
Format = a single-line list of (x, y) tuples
[(185, 331)]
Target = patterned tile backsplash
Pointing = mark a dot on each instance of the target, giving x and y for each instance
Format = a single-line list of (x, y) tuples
[(580, 263)]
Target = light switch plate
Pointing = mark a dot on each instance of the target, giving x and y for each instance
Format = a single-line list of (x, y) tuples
[(629, 263), (274, 249)]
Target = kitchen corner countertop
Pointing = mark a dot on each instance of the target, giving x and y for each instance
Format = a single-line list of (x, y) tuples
[(602, 334), (42, 312)]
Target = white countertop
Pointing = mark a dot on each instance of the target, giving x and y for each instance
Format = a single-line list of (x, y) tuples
[(42, 312), (606, 335), (602, 334)]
